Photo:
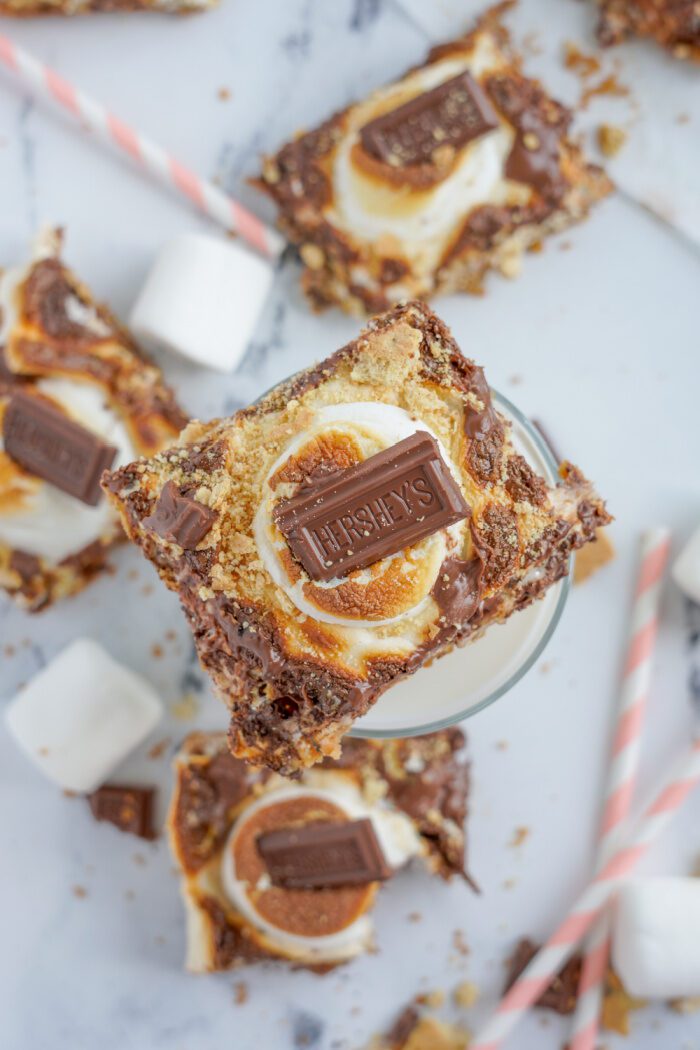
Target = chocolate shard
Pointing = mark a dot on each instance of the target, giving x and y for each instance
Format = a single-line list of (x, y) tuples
[(452, 114), (371, 510), (322, 855), (180, 519), (128, 807), (45, 442)]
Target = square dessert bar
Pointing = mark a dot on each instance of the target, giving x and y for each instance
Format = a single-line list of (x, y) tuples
[(239, 834), (76, 396), (359, 520), (675, 24), (455, 169)]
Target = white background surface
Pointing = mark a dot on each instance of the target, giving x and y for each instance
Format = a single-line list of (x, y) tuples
[(601, 342)]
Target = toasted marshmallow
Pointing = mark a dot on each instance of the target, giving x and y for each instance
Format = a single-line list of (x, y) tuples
[(392, 588), (39, 518), (422, 220), (313, 926)]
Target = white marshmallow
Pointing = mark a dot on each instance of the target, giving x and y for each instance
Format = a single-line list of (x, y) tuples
[(686, 568), (656, 937), (81, 715), (202, 299)]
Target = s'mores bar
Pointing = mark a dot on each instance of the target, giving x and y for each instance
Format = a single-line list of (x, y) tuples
[(278, 870), (455, 169), (359, 520), (76, 396), (31, 8), (674, 24)]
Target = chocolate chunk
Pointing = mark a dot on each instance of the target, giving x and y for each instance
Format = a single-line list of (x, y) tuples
[(371, 510), (25, 565), (180, 519), (324, 854), (129, 808), (452, 114), (45, 442), (562, 994)]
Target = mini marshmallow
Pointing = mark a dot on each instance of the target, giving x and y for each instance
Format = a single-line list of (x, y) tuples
[(81, 715), (202, 299), (656, 938), (686, 568)]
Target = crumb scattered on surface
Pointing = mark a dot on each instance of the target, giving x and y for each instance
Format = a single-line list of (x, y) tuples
[(465, 994), (509, 884), (617, 1006), (579, 62), (520, 836), (515, 380), (683, 118), (129, 895), (159, 748), (609, 87), (156, 651), (433, 999), (138, 858), (459, 942), (80, 892), (414, 916), (240, 993), (589, 559), (502, 745), (686, 1006), (223, 94), (147, 589), (185, 709), (565, 246), (9, 651), (611, 139), (546, 666)]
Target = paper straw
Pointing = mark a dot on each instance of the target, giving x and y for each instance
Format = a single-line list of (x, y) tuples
[(622, 771), (149, 156), (540, 972)]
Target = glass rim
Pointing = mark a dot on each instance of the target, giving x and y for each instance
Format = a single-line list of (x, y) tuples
[(564, 585)]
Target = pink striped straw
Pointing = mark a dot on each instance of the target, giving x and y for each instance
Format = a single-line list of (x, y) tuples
[(540, 972), (622, 772), (150, 157)]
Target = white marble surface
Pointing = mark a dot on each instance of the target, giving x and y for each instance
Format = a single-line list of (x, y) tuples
[(599, 341)]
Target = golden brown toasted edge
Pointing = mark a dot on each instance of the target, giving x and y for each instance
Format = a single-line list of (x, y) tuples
[(426, 778), (289, 711), (489, 238), (70, 8), (45, 342), (675, 26)]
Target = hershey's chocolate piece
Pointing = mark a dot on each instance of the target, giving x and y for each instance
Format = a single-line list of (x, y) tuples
[(180, 519), (320, 855), (128, 807), (376, 508), (452, 114), (47, 443)]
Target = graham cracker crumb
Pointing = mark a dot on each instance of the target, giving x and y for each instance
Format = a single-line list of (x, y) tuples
[(611, 139), (465, 994), (186, 709), (240, 993), (520, 836), (593, 556)]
